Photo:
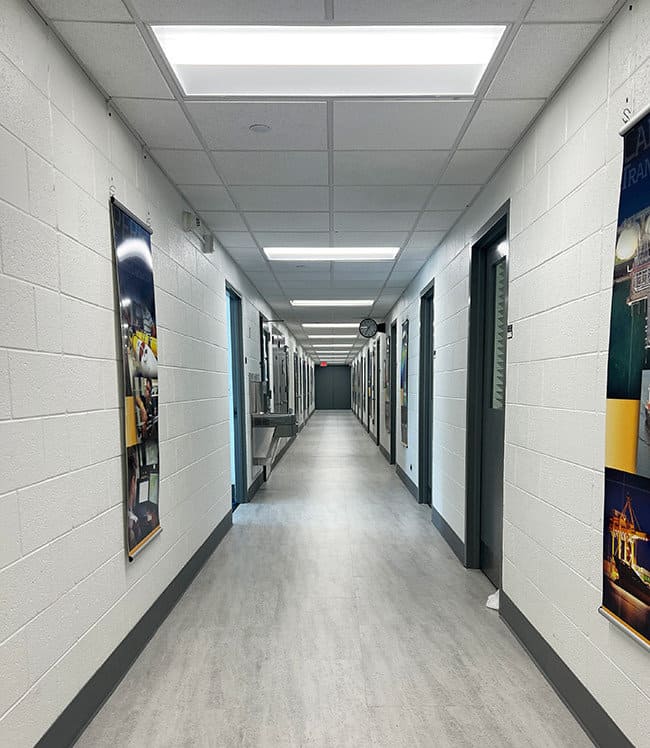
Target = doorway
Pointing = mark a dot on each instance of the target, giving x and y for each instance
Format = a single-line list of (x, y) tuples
[(425, 439), (333, 388), (377, 390), (393, 391), (236, 398), (486, 398)]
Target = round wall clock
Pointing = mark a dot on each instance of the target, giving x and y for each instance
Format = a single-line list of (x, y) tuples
[(368, 328)]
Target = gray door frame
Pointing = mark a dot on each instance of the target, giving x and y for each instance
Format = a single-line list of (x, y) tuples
[(239, 394), (497, 226), (425, 391), (393, 392)]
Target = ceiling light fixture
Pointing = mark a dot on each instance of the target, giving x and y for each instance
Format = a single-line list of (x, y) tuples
[(337, 325), (422, 60), (331, 302), (331, 254), (331, 337)]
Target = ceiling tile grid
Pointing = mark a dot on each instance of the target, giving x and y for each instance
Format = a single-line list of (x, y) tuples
[(329, 172)]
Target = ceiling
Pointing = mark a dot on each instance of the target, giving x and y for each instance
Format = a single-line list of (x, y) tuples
[(335, 172)]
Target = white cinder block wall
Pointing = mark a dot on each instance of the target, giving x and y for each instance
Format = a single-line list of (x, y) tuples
[(67, 593), (563, 184)]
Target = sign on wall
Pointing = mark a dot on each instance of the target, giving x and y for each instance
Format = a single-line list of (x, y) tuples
[(139, 341), (626, 530), (404, 382)]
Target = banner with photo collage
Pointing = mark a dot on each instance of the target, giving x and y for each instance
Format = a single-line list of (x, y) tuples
[(404, 383), (139, 349), (626, 529)]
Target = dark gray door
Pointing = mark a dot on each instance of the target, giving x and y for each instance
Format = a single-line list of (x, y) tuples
[(494, 380), (393, 391), (333, 388), (425, 449), (237, 401)]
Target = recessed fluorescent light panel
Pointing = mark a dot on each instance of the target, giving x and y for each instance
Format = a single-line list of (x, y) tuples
[(332, 325), (331, 254), (328, 60), (331, 337), (331, 302)]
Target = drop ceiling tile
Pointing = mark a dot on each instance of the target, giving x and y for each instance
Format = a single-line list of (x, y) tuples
[(452, 197), (223, 220), (472, 167), (558, 45), (230, 11), (116, 57), (399, 280), (289, 221), (83, 10), (388, 167), (370, 238), (392, 125), (499, 124), (577, 10), (272, 167), (293, 239), (186, 167), (362, 270), (229, 239), (440, 220), (425, 240), (379, 198), (161, 124), (206, 197), (282, 198), (294, 126), (419, 11), (368, 221)]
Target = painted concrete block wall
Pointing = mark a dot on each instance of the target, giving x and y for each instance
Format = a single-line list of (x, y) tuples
[(68, 594), (563, 184)]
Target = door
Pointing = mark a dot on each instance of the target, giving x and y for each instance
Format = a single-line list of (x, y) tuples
[(236, 398), (333, 388), (494, 380), (486, 401), (393, 391), (377, 390), (425, 449)]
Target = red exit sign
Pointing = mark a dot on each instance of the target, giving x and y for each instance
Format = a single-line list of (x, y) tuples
[(323, 363)]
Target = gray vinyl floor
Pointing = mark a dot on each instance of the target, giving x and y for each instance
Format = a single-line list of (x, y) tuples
[(333, 614)]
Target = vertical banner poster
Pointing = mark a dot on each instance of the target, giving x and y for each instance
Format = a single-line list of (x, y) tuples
[(387, 375), (139, 341), (626, 530), (404, 382)]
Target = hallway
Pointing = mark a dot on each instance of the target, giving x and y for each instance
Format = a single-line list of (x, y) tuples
[(346, 621)]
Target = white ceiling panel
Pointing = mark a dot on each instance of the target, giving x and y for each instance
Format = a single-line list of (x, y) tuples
[(379, 198), (272, 167), (452, 197), (388, 167), (223, 220), (374, 221), (186, 167), (281, 198), (230, 239), (292, 239), (288, 221), (399, 279), (576, 10), (117, 58), (558, 45), (83, 10), (361, 269), (425, 239), (207, 197), (472, 167), (230, 11), (431, 11), (499, 124), (368, 125), (370, 239), (161, 124), (441, 220), (294, 126)]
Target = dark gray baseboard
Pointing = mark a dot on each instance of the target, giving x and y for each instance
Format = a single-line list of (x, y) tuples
[(595, 721), (453, 541), (255, 485), (76, 716), (413, 489), (384, 451)]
